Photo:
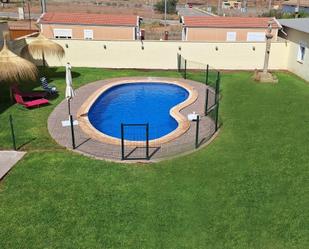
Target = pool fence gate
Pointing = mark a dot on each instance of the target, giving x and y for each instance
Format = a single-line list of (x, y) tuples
[(135, 141)]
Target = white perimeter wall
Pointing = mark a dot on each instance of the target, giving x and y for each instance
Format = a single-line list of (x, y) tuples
[(163, 54), (294, 39)]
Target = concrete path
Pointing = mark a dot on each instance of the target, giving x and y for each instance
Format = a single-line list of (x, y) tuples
[(192, 12), (7, 160)]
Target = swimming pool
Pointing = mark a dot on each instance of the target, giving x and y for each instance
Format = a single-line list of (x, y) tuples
[(137, 103)]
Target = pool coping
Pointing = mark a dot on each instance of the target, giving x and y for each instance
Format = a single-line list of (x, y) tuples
[(183, 122)]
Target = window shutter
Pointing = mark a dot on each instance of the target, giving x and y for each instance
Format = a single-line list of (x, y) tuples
[(256, 36)]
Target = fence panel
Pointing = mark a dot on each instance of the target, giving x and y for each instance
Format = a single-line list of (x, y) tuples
[(198, 71), (5, 134), (134, 141), (14, 134), (204, 73)]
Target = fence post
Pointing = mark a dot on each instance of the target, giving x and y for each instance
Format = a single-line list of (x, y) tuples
[(206, 101), (178, 62), (217, 116), (218, 84), (197, 130), (185, 75), (12, 132), (72, 132), (122, 141), (147, 141), (207, 74)]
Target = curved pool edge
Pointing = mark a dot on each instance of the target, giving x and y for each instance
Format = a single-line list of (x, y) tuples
[(183, 123)]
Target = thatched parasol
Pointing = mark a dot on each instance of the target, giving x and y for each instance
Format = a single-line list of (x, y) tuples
[(14, 68), (41, 46)]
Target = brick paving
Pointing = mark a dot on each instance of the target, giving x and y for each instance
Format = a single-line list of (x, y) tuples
[(92, 147)]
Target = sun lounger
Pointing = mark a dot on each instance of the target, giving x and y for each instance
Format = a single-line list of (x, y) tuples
[(28, 104), (51, 89), (30, 95)]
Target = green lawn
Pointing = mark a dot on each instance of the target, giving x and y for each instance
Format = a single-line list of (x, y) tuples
[(248, 189)]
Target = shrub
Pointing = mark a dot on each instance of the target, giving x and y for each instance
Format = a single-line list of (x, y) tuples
[(170, 8), (279, 14)]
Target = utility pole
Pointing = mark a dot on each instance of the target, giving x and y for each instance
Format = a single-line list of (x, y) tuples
[(29, 13), (43, 6), (269, 5), (219, 7), (165, 13), (297, 9)]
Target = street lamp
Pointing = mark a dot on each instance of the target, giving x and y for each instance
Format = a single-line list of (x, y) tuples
[(265, 76), (269, 36)]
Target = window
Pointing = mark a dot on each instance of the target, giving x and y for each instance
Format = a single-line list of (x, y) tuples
[(63, 33), (231, 36), (256, 36), (88, 34), (301, 53)]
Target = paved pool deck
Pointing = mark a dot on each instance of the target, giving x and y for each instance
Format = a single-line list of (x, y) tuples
[(88, 145), (7, 161)]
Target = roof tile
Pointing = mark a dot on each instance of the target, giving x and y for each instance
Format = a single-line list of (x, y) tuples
[(228, 22), (88, 19)]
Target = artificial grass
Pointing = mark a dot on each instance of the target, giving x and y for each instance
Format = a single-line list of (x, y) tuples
[(248, 189)]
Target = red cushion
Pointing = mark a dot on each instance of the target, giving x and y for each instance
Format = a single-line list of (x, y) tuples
[(36, 102)]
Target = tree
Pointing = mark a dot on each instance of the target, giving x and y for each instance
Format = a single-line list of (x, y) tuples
[(171, 6)]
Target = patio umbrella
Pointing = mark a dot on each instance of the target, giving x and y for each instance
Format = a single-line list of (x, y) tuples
[(14, 68), (69, 91), (69, 94), (41, 46)]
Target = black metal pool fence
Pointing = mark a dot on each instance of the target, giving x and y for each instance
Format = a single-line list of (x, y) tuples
[(13, 134), (197, 71), (203, 127), (138, 147)]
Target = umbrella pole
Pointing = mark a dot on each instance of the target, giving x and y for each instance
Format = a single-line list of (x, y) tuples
[(69, 106), (43, 58)]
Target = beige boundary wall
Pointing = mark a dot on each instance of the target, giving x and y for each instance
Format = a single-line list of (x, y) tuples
[(163, 54)]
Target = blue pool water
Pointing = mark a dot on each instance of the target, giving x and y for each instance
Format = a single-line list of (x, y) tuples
[(137, 103)]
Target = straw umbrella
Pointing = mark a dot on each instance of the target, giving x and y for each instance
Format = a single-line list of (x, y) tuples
[(41, 47), (14, 68)]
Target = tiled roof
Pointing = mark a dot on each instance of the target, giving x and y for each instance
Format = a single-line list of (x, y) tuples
[(301, 24), (88, 19), (22, 25), (228, 22)]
